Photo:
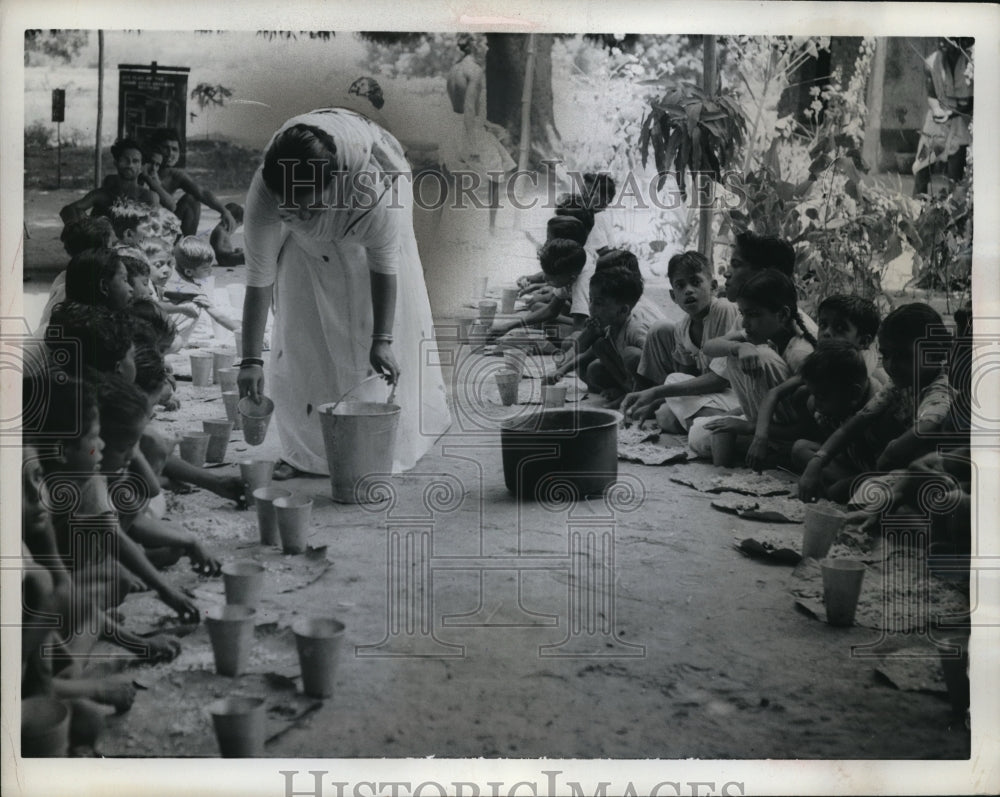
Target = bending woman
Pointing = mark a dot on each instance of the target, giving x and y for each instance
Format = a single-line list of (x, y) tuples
[(329, 231)]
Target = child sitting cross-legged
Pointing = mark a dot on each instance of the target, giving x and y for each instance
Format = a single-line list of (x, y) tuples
[(902, 419), (851, 319), (688, 383), (772, 346), (193, 283), (612, 342)]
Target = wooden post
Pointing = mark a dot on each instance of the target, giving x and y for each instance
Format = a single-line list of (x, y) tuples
[(58, 154), (524, 147), (871, 150), (710, 79), (100, 108)]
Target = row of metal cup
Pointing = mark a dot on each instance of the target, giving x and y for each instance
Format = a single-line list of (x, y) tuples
[(239, 721), (283, 517)]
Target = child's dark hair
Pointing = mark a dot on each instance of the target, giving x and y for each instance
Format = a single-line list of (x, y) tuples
[(122, 145), (127, 216), (859, 311), (761, 252), (687, 264), (122, 406), (83, 336), (567, 226), (618, 284), (150, 368), (152, 325), (618, 258), (89, 232), (773, 290), (87, 271), (910, 323), (305, 147), (835, 364), (578, 207), (134, 266), (560, 257), (601, 190), (56, 409)]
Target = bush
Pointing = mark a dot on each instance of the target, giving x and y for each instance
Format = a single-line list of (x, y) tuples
[(37, 135)]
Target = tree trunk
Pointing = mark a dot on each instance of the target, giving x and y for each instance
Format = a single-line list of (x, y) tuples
[(505, 73), (100, 108), (710, 77)]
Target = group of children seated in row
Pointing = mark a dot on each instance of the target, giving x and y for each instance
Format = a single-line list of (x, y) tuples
[(94, 468), (847, 396)]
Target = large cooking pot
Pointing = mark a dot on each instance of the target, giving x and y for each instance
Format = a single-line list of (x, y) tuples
[(552, 451)]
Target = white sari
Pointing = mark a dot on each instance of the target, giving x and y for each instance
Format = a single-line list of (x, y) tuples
[(320, 270)]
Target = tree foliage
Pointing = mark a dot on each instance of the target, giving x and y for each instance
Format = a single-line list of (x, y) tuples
[(64, 45)]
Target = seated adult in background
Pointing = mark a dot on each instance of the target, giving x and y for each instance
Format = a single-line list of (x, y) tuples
[(188, 207), (125, 185)]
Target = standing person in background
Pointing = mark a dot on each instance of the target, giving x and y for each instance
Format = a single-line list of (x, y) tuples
[(945, 135), (172, 179), (473, 146)]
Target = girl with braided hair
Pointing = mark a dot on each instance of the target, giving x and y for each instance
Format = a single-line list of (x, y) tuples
[(771, 347)]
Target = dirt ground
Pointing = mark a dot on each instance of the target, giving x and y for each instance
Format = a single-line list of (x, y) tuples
[(655, 639)]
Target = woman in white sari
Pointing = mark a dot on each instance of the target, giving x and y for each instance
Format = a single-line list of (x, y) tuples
[(329, 229)]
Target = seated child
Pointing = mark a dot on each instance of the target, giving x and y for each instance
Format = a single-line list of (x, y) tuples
[(192, 283), (98, 276), (151, 378), (688, 383), (612, 343), (102, 570), (77, 236), (563, 261), (852, 319), (902, 420), (124, 185), (85, 337), (837, 386), (137, 269), (124, 413), (48, 589), (535, 290), (752, 253), (645, 310), (600, 193), (772, 346), (222, 244)]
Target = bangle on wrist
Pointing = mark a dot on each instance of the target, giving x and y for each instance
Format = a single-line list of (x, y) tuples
[(382, 337), (246, 362)]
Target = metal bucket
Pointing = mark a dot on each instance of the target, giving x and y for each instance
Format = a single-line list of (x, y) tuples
[(360, 438)]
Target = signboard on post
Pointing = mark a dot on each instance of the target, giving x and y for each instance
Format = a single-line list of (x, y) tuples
[(58, 105), (151, 97)]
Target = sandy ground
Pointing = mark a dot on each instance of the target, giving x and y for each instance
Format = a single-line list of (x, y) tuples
[(665, 643)]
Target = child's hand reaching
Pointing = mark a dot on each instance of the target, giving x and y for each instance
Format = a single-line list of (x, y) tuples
[(729, 423), (640, 406), (181, 604), (553, 377), (202, 560), (757, 454), (119, 694), (811, 482), (188, 309), (202, 301)]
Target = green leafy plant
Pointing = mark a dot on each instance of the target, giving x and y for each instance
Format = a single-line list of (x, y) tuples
[(689, 130)]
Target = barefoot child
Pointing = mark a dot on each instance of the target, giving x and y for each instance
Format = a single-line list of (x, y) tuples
[(689, 384), (772, 346), (903, 417), (612, 342)]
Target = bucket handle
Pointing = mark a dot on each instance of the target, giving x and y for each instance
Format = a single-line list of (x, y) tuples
[(345, 394)]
